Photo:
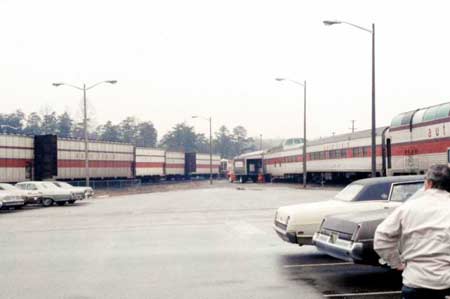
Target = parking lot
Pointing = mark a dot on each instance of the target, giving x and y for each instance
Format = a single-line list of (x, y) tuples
[(198, 243)]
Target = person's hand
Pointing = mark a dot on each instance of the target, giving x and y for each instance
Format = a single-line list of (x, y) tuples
[(401, 267)]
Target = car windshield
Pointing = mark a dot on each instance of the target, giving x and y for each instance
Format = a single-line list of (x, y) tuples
[(64, 185), (49, 186), (7, 187), (349, 192), (405, 191)]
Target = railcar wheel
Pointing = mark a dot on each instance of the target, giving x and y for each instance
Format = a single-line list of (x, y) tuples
[(47, 202)]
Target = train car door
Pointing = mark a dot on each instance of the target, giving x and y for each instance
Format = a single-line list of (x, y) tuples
[(448, 157), (190, 165)]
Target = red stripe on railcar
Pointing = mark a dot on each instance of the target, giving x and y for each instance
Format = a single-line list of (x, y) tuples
[(149, 164), (94, 164), (14, 163), (421, 147), (173, 165)]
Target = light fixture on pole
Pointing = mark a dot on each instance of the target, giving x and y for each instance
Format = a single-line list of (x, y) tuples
[(210, 146), (84, 89), (304, 156), (373, 134)]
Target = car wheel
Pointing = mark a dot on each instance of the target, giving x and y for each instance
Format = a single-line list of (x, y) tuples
[(60, 203), (71, 201), (47, 202)]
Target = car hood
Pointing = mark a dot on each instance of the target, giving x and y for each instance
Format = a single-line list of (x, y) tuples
[(10, 193), (348, 223), (311, 214), (17, 192), (55, 191)]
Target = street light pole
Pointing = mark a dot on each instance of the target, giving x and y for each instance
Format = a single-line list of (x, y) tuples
[(210, 146), (210, 151), (305, 155), (86, 141), (374, 154), (373, 129)]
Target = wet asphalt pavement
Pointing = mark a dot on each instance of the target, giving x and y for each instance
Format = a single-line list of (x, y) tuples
[(206, 243)]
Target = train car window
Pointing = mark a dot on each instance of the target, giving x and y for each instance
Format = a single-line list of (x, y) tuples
[(397, 120), (443, 111), (418, 117), (406, 118), (365, 151), (430, 113)]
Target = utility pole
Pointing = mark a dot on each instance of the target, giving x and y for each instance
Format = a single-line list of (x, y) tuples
[(86, 144), (353, 126)]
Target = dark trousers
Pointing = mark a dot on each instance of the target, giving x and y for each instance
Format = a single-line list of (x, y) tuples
[(413, 293)]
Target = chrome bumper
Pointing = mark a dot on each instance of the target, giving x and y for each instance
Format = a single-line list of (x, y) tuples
[(357, 252), (12, 203), (292, 237)]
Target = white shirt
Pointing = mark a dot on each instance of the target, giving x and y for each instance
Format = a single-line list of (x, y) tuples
[(418, 234)]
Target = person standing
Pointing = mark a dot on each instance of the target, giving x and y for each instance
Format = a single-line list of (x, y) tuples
[(415, 239)]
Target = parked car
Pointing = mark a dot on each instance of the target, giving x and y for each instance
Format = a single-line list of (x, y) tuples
[(49, 193), (10, 199), (350, 236), (298, 223), (28, 195), (80, 192)]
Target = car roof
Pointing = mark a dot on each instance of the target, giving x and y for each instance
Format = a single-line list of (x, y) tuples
[(389, 179)]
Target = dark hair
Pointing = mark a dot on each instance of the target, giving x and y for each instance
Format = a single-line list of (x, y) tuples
[(439, 176)]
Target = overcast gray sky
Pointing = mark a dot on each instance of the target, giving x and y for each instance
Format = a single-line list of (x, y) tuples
[(176, 58)]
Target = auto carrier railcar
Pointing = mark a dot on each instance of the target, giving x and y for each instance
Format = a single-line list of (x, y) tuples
[(47, 157), (16, 158), (198, 165)]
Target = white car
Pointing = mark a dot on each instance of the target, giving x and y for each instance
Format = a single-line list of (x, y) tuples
[(49, 193), (28, 195), (85, 192), (298, 223), (10, 199)]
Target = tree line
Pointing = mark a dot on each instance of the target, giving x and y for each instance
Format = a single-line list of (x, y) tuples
[(181, 137)]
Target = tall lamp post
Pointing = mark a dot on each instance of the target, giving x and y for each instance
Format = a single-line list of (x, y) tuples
[(84, 89), (372, 32), (305, 171), (210, 146)]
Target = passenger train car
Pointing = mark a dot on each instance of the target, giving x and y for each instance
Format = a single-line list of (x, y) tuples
[(414, 141), (49, 157)]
